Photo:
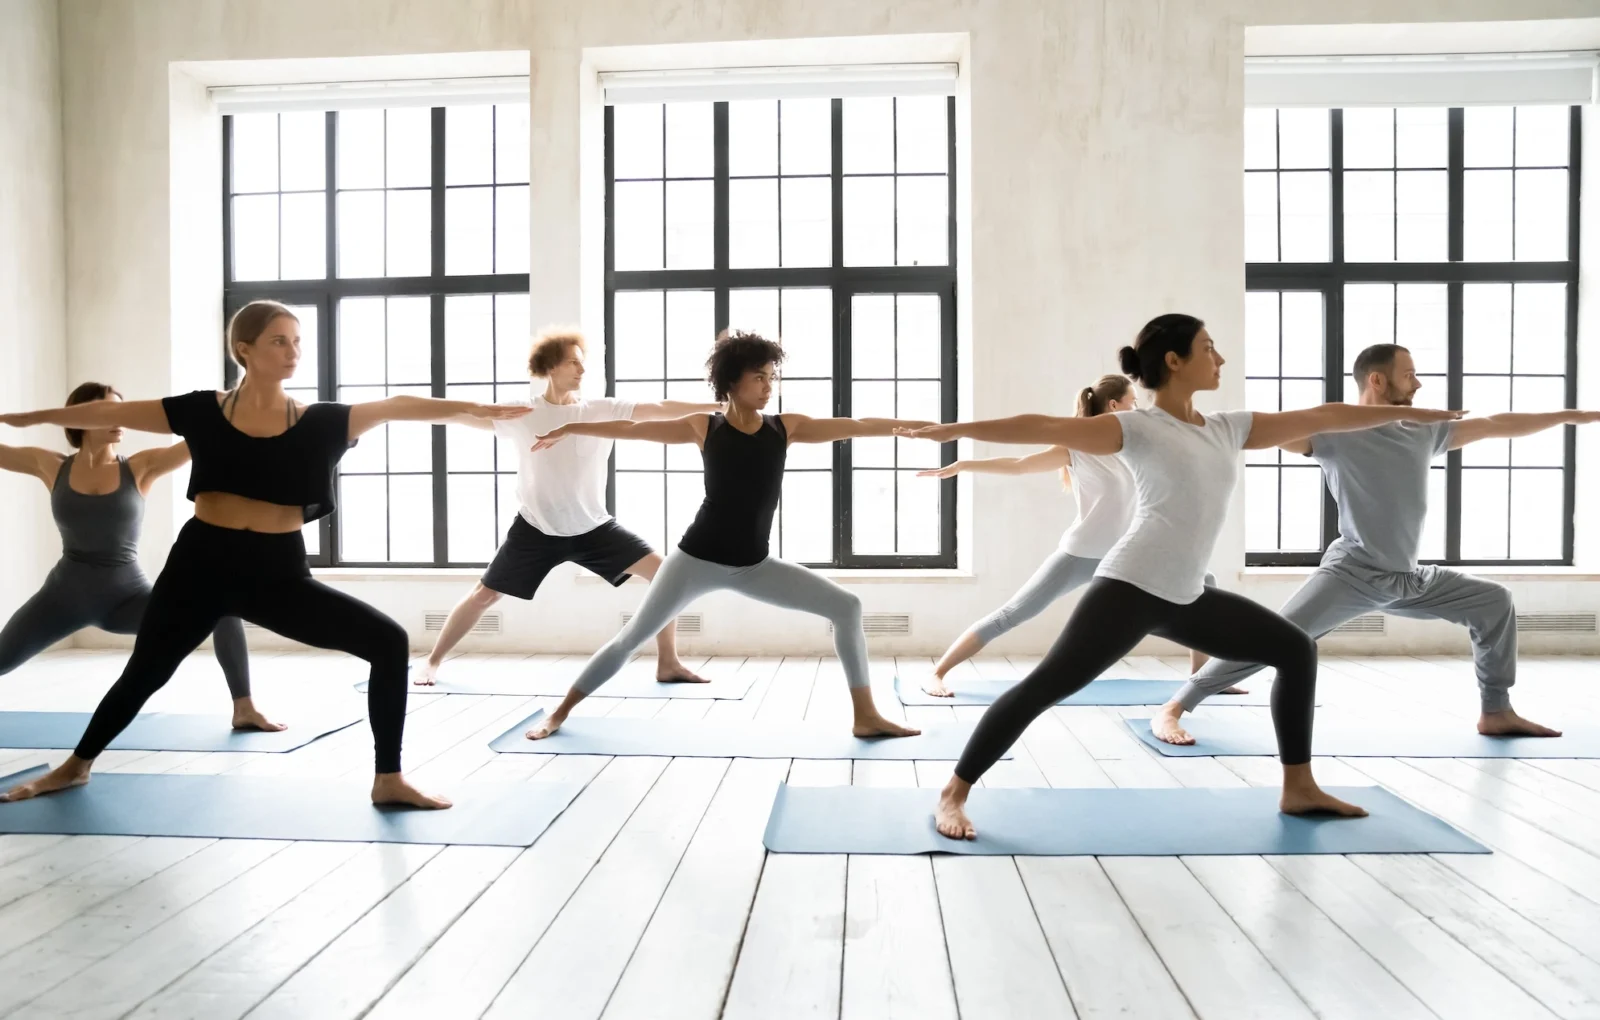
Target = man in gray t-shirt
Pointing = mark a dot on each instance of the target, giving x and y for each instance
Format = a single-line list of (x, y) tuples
[(1379, 479)]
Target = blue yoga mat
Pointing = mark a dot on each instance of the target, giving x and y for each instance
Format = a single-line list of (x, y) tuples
[(696, 738), (276, 807), (160, 731), (1106, 691), (1129, 822), (1341, 736), (636, 685)]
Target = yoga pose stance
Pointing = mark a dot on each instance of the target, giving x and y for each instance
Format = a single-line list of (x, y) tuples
[(97, 498), (263, 467), (1184, 465), (1379, 479), (563, 517), (726, 546), (1105, 509)]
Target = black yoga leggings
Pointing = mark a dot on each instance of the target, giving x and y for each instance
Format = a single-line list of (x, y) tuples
[(215, 572), (1112, 617)]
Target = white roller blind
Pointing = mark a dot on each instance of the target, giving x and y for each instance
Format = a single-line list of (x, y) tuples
[(1520, 79), (353, 95), (799, 82)]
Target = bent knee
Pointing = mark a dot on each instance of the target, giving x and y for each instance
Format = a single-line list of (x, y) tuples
[(847, 608), (483, 597), (1300, 652)]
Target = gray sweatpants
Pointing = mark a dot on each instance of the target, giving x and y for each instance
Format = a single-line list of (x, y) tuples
[(684, 578), (1340, 592), (1059, 574)]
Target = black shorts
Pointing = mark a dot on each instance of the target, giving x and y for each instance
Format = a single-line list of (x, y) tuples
[(528, 554)]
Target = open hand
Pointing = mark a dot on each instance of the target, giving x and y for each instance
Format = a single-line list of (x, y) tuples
[(549, 439), (948, 471), (938, 433)]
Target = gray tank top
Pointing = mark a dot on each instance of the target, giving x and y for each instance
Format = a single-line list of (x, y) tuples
[(101, 531)]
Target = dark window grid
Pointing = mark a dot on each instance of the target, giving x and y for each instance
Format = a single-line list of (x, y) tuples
[(327, 292), (1333, 275), (844, 282)]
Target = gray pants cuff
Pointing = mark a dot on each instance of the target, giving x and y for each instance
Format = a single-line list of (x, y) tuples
[(1495, 699)]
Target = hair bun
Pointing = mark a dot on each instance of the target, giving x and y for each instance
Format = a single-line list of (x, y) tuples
[(1129, 359)]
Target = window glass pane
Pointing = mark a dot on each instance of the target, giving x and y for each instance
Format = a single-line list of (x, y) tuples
[(873, 514), (409, 136), (363, 518), (922, 221), (361, 341), (1484, 513), (636, 140), (872, 400), (636, 454), (1305, 199), (1539, 327), (1261, 509), (814, 398), (641, 503), (869, 135), (1421, 325), (690, 152), (1261, 333), (410, 233), (1368, 317), (305, 242), (471, 509), (511, 337), (689, 225), (303, 139), (360, 233), (469, 340), (637, 224), (1538, 503), (753, 137), (1302, 508), (1260, 217), (511, 230), (1486, 327), (1423, 206), (917, 335), (1484, 395), (691, 330), (410, 360), (922, 135), (255, 237), (1422, 136), (360, 134), (411, 449), (1369, 216), (685, 492), (756, 311), (869, 221), (807, 535), (1260, 138), (1368, 138), (808, 332), (511, 145), (872, 322), (1541, 215), (805, 144), (917, 514), (1488, 136), (640, 337), (468, 231), (411, 519), (1487, 215), (1302, 334), (807, 221), (753, 223), (1543, 135), (1540, 394), (255, 152), (1303, 139), (469, 145)]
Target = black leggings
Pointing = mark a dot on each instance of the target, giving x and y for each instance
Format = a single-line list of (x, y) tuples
[(214, 572), (1112, 617), (79, 595)]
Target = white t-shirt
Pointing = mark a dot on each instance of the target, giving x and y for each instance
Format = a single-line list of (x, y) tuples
[(1183, 476), (562, 489), (1104, 489)]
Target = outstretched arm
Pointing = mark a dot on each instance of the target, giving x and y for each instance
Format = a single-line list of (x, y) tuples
[(688, 429), (370, 414), (1511, 426), (32, 460), (1101, 433), (660, 409), (142, 415), (806, 429), (1284, 427), (1053, 459), (149, 465)]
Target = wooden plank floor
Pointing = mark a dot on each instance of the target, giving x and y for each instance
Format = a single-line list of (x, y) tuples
[(652, 897)]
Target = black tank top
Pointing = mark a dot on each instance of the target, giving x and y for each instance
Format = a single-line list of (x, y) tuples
[(744, 478), (100, 530)]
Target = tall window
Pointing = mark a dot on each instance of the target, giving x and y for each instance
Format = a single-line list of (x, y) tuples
[(1452, 232), (826, 223), (400, 239)]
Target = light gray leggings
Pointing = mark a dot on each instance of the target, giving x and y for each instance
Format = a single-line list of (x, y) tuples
[(684, 578), (1340, 592), (1059, 574)]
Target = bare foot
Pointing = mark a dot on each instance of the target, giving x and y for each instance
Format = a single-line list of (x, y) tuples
[(61, 777), (937, 688), (248, 717), (950, 818), (392, 788), (1164, 725), (1236, 690), (545, 728), (1510, 724), (427, 675), (1313, 801), (677, 673), (878, 726)]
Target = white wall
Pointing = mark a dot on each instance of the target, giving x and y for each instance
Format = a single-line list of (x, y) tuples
[(1105, 159), (32, 275)]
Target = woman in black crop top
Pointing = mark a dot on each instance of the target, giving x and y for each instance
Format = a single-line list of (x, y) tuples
[(726, 547), (263, 467)]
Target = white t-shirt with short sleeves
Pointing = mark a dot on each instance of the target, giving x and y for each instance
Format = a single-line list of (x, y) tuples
[(562, 490)]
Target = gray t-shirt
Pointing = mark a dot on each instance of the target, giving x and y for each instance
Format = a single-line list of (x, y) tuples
[(1379, 479)]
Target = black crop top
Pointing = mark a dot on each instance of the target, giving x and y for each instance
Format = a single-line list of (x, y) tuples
[(293, 468), (744, 478)]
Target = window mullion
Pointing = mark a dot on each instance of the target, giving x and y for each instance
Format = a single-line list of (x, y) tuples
[(441, 467), (1454, 328), (843, 455)]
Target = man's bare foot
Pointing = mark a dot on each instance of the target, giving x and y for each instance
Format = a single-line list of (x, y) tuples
[(1236, 690), (392, 788), (1313, 801), (248, 717), (426, 675), (1510, 724), (937, 688), (950, 818), (675, 672), (878, 726), (548, 726), (1164, 725), (64, 776)]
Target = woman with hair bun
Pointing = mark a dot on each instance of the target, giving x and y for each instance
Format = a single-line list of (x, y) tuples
[(1184, 465)]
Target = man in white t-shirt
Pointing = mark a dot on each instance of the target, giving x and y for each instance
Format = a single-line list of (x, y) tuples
[(562, 491)]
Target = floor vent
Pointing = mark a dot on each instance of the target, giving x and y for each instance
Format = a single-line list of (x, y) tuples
[(883, 623), (688, 623), (488, 623), (1556, 623), (1371, 623)]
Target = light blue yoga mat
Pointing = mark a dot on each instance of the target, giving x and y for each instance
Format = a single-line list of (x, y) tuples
[(277, 807), (533, 684), (697, 738), (1342, 736), (1106, 691), (1129, 822), (160, 731)]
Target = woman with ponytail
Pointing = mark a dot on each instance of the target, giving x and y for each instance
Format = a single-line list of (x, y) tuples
[(1105, 497), (1184, 465)]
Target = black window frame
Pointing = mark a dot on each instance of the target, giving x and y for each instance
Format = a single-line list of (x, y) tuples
[(326, 293), (1329, 279), (845, 282)]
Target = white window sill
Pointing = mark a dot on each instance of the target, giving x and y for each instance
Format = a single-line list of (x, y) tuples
[(455, 574), (1564, 574)]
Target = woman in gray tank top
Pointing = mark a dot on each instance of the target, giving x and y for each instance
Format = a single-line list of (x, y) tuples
[(97, 499)]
